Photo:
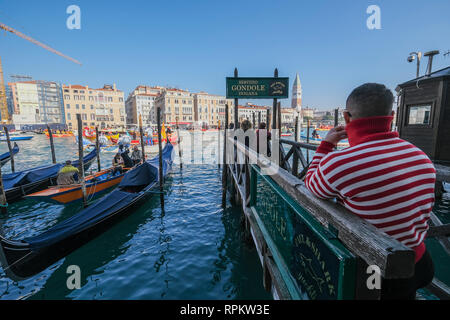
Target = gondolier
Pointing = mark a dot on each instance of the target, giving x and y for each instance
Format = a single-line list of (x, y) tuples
[(136, 155)]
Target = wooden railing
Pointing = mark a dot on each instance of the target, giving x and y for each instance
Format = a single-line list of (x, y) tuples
[(395, 260)]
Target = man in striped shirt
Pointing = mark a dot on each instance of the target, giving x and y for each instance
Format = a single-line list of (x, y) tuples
[(381, 178)]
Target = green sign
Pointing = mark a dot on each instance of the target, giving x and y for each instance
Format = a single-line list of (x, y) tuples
[(257, 88), (320, 266)]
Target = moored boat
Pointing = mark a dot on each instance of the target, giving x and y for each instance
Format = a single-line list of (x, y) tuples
[(25, 258), (4, 158), (21, 183), (95, 184), (16, 138)]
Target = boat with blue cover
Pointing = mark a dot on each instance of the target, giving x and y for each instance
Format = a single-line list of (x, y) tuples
[(25, 258), (18, 184), (5, 157)]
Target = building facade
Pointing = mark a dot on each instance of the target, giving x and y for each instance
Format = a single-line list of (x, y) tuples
[(176, 106), (246, 113), (36, 102), (103, 107), (141, 101), (210, 109), (288, 117)]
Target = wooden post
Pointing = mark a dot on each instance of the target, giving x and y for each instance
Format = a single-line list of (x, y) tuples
[(161, 176), (52, 146), (254, 120), (268, 123), (236, 106), (80, 158), (259, 118), (9, 148), (97, 145), (3, 202), (179, 144), (336, 117), (141, 132), (296, 129), (225, 165), (218, 144), (307, 140), (274, 113), (279, 119)]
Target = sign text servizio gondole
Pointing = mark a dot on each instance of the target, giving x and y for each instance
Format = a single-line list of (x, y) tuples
[(257, 88)]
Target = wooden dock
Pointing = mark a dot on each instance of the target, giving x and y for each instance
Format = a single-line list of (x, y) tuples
[(311, 248)]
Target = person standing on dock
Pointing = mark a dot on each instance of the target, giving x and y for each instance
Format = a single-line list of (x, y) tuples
[(381, 178)]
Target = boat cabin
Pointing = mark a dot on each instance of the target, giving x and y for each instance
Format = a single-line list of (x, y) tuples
[(423, 116)]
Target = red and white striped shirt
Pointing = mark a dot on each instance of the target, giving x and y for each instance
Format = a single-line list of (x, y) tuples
[(381, 178)]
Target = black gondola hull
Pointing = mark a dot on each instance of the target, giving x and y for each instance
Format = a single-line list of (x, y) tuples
[(22, 262)]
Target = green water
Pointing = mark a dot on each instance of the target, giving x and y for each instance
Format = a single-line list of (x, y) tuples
[(191, 250)]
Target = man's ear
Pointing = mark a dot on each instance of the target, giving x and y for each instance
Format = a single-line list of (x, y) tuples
[(346, 117)]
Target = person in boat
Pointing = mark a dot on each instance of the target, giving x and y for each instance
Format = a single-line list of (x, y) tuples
[(136, 155), (68, 174), (315, 135), (381, 178), (117, 163)]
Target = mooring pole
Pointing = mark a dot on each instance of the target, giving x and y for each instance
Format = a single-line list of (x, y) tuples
[(3, 202), (9, 148), (218, 144), (236, 106), (52, 146), (268, 120), (141, 132), (336, 117), (97, 145), (275, 102), (179, 144), (225, 165), (296, 129), (307, 140), (161, 176), (254, 120), (259, 118), (80, 158)]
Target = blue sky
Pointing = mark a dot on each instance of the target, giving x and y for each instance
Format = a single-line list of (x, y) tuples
[(195, 44)]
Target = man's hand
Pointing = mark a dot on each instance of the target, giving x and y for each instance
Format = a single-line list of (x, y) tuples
[(335, 135)]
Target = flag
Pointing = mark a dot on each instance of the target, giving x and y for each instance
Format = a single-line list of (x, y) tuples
[(163, 132)]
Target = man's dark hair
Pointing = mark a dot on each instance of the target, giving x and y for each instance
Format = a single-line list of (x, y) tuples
[(370, 100), (262, 125)]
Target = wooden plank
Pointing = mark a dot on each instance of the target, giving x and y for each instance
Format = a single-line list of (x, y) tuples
[(394, 259)]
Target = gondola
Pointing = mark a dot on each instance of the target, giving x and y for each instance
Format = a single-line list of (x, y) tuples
[(25, 258), (19, 184), (4, 158), (96, 184)]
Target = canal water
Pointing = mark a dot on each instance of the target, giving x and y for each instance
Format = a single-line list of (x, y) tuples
[(192, 250)]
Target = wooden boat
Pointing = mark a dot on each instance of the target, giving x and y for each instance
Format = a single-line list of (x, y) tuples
[(59, 135), (25, 258), (317, 141), (4, 158), (16, 138), (19, 184), (95, 184)]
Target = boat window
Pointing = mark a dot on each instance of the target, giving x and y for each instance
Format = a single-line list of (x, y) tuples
[(419, 114)]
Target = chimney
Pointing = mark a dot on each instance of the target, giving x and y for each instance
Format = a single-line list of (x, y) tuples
[(430, 55)]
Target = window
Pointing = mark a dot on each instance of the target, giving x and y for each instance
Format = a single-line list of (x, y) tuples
[(67, 106), (92, 107), (69, 117), (77, 106), (84, 116), (83, 106), (419, 115), (66, 97), (92, 116)]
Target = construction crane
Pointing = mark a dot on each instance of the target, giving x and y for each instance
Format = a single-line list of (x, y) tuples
[(3, 104)]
